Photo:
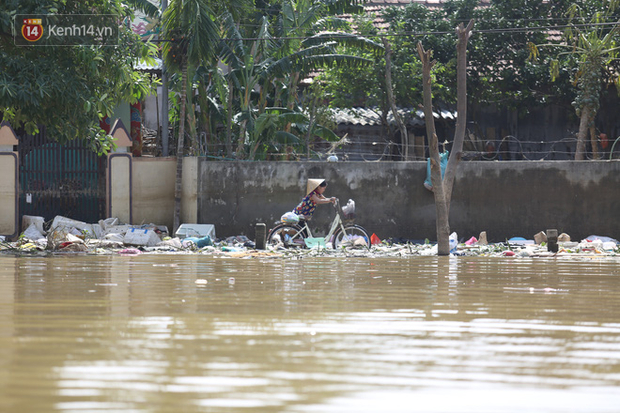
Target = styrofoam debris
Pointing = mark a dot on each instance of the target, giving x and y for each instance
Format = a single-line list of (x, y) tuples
[(32, 232), (145, 237), (38, 222)]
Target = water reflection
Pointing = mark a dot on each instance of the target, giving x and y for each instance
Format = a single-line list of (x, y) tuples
[(198, 333)]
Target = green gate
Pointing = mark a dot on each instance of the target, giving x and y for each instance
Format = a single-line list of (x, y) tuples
[(60, 179)]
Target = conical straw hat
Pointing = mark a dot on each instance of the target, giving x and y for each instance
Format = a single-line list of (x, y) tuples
[(313, 184)]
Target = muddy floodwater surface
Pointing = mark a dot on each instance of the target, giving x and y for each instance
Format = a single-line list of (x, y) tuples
[(193, 333)]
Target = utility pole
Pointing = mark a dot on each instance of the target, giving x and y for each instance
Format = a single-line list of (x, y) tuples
[(164, 94)]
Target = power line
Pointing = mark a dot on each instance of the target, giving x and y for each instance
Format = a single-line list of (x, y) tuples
[(440, 33)]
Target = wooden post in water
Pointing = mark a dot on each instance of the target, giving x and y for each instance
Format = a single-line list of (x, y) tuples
[(261, 236), (552, 240)]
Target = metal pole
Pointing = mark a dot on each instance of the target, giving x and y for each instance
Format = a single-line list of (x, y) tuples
[(164, 98)]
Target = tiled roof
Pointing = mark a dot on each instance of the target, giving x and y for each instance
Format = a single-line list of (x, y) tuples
[(428, 3), (374, 5)]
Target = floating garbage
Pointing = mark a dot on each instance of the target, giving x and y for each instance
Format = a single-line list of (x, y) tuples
[(110, 236), (520, 241), (471, 241), (454, 241), (135, 236), (195, 231), (374, 239), (199, 242)]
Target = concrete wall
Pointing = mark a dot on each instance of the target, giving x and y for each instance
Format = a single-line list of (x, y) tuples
[(119, 186), (506, 199), (8, 194), (153, 191)]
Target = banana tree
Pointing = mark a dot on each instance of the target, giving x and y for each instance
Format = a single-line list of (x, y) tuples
[(268, 129), (265, 63), (311, 40), (246, 64)]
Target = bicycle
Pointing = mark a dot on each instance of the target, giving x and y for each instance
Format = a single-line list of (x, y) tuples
[(342, 233)]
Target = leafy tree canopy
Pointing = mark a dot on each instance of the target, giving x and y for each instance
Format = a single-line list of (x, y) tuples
[(69, 88)]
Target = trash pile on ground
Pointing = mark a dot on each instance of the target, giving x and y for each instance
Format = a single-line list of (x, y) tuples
[(109, 236)]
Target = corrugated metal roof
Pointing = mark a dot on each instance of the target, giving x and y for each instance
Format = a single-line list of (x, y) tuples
[(371, 116), (156, 66)]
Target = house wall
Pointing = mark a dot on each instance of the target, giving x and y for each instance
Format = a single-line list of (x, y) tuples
[(150, 106), (505, 199)]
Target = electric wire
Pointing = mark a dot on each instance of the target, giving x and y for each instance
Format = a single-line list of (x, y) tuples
[(508, 148), (505, 30)]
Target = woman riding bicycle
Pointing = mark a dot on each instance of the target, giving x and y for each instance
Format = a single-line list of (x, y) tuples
[(293, 230), (314, 196)]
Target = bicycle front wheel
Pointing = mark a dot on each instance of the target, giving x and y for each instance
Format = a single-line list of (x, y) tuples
[(352, 236), (288, 235)]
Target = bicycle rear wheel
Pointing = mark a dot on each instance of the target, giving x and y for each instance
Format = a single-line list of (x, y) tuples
[(289, 235), (352, 236)]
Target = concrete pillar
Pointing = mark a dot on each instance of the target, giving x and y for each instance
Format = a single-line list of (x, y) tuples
[(119, 176), (261, 236), (9, 182), (552, 240)]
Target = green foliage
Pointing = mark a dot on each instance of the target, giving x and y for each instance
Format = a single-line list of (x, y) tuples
[(499, 69), (191, 33), (69, 89), (266, 61), (589, 52)]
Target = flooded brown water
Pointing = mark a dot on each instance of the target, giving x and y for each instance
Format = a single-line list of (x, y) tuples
[(195, 333)]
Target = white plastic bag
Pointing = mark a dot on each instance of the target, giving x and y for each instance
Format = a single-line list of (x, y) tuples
[(290, 218), (349, 208), (454, 241)]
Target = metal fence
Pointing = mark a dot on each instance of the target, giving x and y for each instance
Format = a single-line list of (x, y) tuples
[(60, 179)]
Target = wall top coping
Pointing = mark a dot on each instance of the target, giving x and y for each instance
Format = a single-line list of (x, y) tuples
[(120, 134), (7, 134)]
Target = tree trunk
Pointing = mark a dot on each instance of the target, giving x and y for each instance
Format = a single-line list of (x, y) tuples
[(292, 96), (441, 208), (463, 34), (442, 188), (594, 141), (392, 102), (229, 151), (311, 121), (241, 140), (580, 150), (179, 176)]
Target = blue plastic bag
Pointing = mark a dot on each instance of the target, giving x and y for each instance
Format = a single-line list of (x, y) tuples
[(200, 242), (443, 162)]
